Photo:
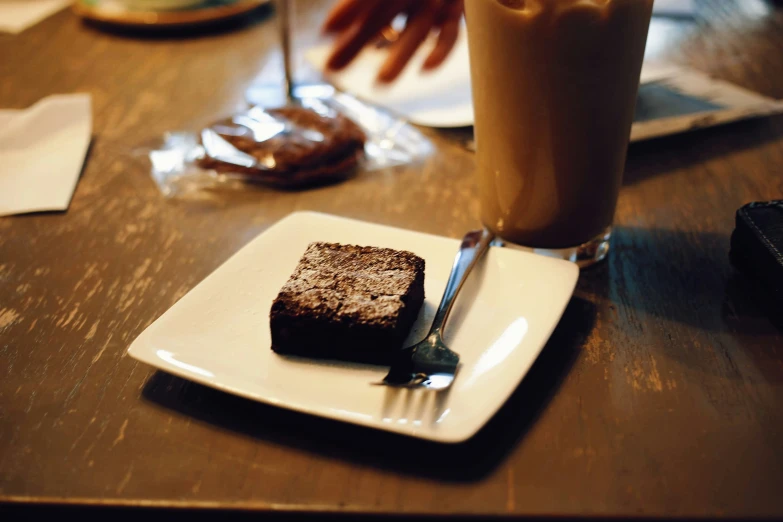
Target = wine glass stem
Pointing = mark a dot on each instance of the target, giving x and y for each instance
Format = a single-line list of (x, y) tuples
[(283, 7)]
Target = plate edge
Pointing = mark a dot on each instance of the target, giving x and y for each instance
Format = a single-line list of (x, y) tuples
[(574, 272), (305, 214)]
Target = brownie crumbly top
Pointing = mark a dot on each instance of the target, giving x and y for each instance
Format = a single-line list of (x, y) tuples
[(363, 285)]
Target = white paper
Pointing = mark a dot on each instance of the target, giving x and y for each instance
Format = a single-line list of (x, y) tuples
[(18, 15), (42, 151), (684, 100)]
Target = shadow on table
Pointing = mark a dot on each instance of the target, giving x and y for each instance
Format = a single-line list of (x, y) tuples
[(671, 274), (648, 268), (683, 276), (650, 158), (194, 31), (458, 136), (680, 286), (467, 461)]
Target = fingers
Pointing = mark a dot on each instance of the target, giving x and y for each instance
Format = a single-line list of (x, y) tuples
[(421, 18), (449, 31), (358, 22), (375, 15), (342, 15)]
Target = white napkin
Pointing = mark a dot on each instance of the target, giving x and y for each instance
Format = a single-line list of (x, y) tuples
[(42, 150), (18, 15)]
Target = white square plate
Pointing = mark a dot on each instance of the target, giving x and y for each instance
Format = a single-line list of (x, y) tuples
[(218, 334)]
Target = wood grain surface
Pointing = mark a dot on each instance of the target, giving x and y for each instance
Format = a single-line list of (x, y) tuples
[(660, 393)]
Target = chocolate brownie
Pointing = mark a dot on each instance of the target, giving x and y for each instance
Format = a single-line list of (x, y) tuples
[(285, 147), (348, 302)]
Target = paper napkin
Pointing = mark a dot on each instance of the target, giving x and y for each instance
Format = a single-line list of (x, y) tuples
[(42, 151)]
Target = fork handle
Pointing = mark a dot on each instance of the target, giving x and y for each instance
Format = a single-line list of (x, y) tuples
[(473, 247)]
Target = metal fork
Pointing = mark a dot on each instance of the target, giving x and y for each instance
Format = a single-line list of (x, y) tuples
[(430, 363)]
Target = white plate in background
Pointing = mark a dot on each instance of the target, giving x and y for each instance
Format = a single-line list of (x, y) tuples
[(438, 98)]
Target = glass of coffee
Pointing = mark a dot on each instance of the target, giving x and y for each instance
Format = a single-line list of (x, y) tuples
[(554, 90)]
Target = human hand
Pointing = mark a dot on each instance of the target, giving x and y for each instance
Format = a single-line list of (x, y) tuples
[(359, 22)]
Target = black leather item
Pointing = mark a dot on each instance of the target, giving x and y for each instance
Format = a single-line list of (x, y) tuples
[(757, 244)]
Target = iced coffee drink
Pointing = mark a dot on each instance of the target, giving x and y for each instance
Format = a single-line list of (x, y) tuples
[(554, 89)]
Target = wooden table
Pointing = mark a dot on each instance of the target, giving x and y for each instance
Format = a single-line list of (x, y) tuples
[(660, 393)]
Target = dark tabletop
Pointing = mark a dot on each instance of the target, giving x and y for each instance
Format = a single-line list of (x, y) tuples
[(660, 392)]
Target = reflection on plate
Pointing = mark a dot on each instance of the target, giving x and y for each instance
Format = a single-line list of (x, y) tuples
[(117, 13), (218, 334)]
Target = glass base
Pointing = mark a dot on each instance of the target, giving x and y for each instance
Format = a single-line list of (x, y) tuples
[(584, 255)]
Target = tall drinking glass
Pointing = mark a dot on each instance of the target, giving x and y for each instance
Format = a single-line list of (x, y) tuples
[(554, 90)]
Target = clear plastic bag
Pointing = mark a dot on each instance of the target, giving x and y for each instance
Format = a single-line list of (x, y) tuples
[(185, 162)]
